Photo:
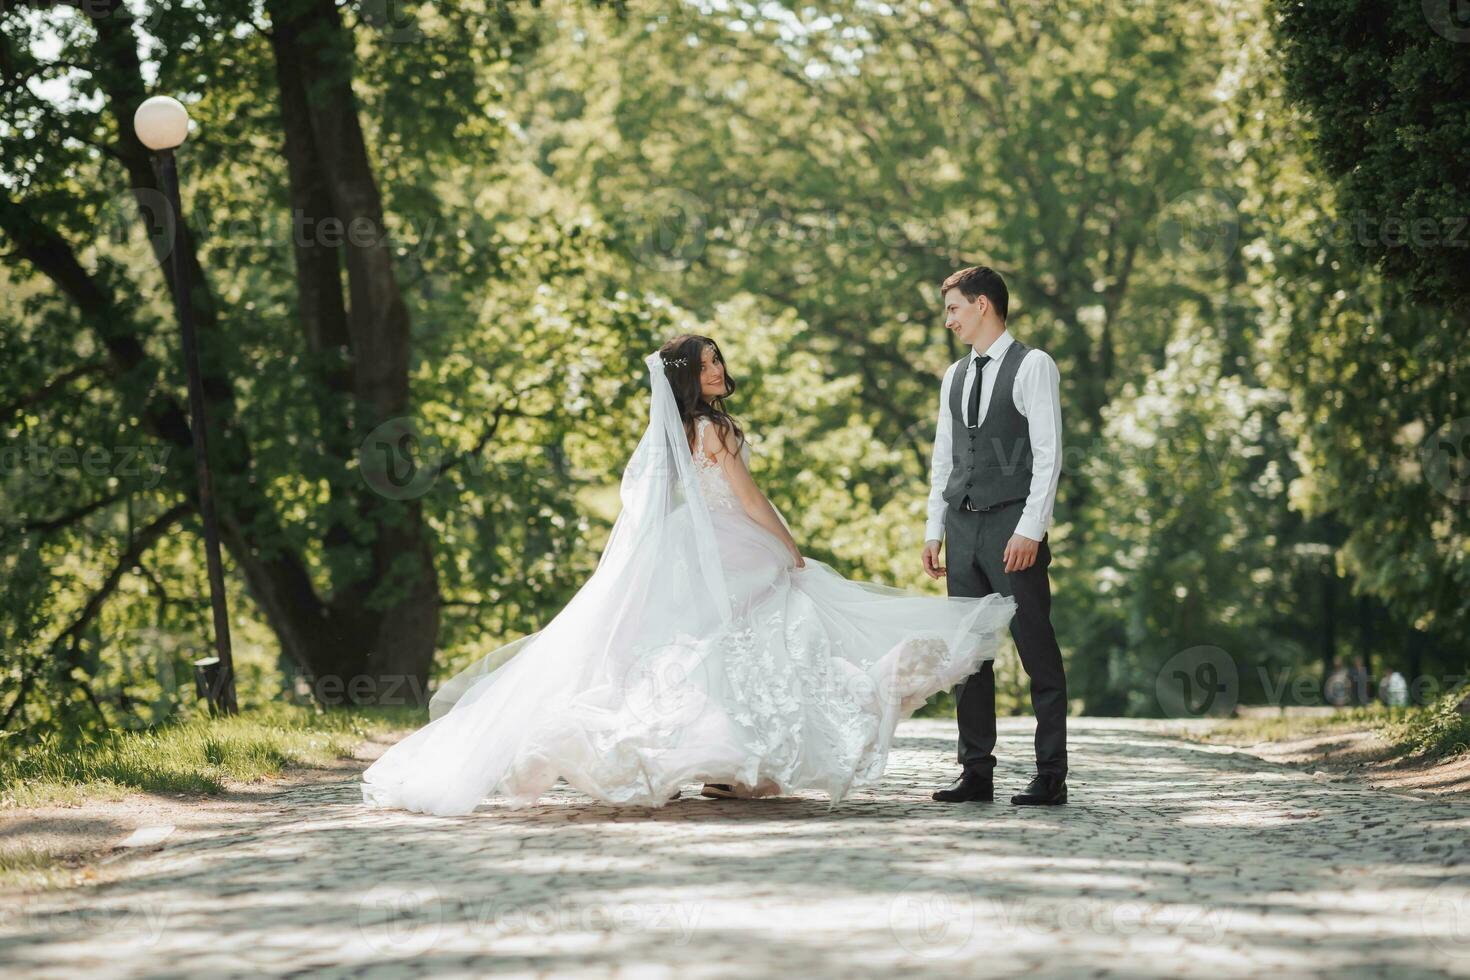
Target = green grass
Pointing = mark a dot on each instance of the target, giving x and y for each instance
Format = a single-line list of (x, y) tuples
[(1277, 728), (34, 868), (196, 756), (1433, 732)]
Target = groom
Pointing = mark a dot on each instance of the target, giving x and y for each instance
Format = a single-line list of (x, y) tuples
[(993, 481)]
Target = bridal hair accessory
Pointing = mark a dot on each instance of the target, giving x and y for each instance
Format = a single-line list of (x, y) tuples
[(675, 361)]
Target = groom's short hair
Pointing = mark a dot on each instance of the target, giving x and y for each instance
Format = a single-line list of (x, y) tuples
[(980, 280)]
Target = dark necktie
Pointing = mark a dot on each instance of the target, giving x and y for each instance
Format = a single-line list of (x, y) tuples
[(974, 407)]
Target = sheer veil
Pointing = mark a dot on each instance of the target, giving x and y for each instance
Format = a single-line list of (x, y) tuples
[(659, 571)]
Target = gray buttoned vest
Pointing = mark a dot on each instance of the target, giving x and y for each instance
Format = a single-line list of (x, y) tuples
[(992, 463)]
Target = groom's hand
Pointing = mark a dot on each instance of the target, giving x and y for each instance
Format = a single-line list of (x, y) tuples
[(1020, 553), (932, 568)]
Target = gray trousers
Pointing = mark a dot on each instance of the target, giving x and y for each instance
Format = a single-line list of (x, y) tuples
[(975, 544)]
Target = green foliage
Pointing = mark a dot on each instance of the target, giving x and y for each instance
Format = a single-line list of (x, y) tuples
[(1437, 731), (1244, 402), (1379, 384), (1385, 83), (1183, 553), (842, 160)]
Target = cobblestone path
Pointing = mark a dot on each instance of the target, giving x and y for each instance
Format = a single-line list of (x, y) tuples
[(1172, 859)]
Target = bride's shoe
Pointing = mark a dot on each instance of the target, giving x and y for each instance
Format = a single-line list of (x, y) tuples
[(766, 787), (739, 791)]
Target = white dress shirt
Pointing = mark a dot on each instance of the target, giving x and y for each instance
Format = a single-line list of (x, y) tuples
[(1037, 394)]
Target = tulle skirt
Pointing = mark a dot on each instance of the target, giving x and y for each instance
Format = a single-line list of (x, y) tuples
[(801, 688)]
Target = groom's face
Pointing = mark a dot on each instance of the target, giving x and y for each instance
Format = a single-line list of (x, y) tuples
[(962, 316)]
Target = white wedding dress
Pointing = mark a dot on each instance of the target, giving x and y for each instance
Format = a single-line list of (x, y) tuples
[(696, 652)]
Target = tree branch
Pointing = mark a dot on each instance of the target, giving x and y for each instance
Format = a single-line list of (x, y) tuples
[(50, 388), (501, 413), (72, 516), (143, 539)]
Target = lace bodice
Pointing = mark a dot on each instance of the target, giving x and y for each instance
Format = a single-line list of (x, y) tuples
[(712, 479)]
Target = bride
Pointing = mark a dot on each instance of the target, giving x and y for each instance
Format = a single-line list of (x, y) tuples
[(703, 647)]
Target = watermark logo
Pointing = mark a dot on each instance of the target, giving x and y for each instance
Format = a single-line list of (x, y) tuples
[(1445, 917), (668, 686), (673, 922), (669, 228), (136, 230), (395, 21), (900, 684), (1445, 459), (148, 17), (398, 461), (1450, 19), (142, 465), (376, 689), (1201, 225), (149, 652), (933, 919), (1198, 682), (400, 919)]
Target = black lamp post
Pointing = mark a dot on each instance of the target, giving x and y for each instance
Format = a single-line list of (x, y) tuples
[(162, 124)]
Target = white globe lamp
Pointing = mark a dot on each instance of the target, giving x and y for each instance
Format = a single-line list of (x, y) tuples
[(161, 123)]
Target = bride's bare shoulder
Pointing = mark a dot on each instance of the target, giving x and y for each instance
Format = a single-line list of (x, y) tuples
[(717, 441)]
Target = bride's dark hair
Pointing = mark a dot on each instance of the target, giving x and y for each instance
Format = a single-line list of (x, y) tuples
[(683, 358)]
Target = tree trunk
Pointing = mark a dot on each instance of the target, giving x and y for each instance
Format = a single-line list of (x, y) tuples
[(369, 641), (329, 170)]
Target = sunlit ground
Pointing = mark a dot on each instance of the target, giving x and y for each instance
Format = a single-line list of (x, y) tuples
[(1173, 858)]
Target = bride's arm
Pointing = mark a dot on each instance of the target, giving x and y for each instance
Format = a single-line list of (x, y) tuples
[(750, 496)]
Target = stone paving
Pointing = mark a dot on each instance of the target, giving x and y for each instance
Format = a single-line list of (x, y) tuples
[(1173, 859)]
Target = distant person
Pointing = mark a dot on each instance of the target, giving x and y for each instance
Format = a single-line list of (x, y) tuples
[(1337, 687), (1358, 681), (1393, 690)]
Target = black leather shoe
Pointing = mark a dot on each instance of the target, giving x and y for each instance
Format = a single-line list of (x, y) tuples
[(1043, 790), (971, 787)]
